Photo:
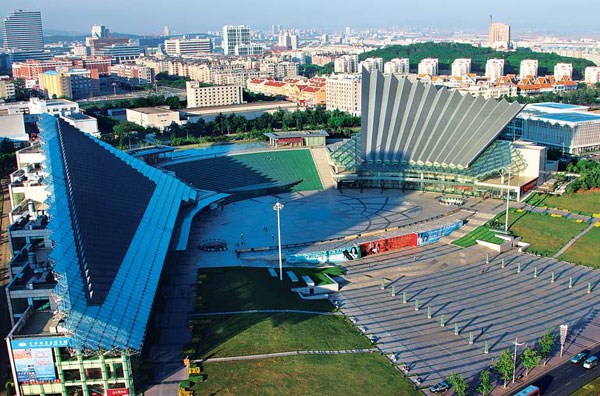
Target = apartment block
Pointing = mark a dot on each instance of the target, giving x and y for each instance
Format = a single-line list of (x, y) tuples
[(198, 96)]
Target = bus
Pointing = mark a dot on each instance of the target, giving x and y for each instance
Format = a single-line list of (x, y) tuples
[(531, 390)]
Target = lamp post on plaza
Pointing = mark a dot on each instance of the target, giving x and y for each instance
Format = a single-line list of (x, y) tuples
[(277, 208), (507, 197), (515, 358)]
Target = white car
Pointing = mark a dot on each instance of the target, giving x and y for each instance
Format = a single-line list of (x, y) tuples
[(591, 362)]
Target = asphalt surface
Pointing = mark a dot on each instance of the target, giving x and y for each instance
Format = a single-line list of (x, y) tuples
[(566, 378)]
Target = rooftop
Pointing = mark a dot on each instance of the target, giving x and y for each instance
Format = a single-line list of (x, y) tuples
[(153, 110), (241, 107)]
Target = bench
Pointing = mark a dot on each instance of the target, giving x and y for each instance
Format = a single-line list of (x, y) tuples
[(273, 273), (292, 276), (309, 282)]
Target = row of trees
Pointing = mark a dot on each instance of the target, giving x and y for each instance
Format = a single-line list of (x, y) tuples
[(149, 101), (584, 96), (228, 127), (505, 366), (590, 175)]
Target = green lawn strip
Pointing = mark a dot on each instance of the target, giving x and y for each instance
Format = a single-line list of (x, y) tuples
[(318, 274), (356, 374), (546, 234), (236, 289), (585, 203), (251, 334), (482, 233), (585, 250), (590, 389)]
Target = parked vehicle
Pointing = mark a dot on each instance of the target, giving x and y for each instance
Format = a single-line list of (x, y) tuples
[(591, 362), (439, 387), (580, 357)]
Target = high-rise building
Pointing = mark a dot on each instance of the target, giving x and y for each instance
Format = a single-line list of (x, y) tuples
[(179, 47), (71, 83), (346, 64), (428, 66), (461, 67), (251, 49), (562, 70), (198, 96), (494, 69), (166, 31), (23, 34), (397, 66), (234, 36), (287, 40), (100, 31), (344, 93), (373, 64), (529, 68), (499, 34), (592, 75)]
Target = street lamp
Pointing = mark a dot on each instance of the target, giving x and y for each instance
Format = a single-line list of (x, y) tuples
[(515, 358), (507, 201), (277, 208)]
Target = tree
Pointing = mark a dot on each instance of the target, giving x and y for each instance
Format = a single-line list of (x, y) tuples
[(546, 344), (531, 359), (458, 383), (485, 383), (505, 366), (174, 103)]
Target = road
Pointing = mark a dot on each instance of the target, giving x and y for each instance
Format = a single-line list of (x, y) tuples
[(166, 91), (566, 378)]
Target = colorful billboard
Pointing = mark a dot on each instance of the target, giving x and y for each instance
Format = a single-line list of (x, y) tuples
[(46, 342), (326, 256), (435, 235), (388, 244), (34, 365)]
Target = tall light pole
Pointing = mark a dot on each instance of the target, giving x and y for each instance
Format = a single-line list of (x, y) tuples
[(507, 201), (515, 358), (277, 208)]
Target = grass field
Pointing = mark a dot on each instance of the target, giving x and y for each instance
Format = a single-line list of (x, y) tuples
[(546, 234), (586, 250), (238, 335), (482, 233), (229, 173), (358, 374), (244, 289), (255, 333), (591, 389), (586, 203)]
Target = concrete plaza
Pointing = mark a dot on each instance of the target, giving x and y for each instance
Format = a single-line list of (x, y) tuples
[(492, 303)]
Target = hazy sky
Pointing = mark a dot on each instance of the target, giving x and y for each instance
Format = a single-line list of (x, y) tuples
[(150, 16)]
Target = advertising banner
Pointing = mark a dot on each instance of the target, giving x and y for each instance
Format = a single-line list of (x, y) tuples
[(46, 342), (34, 365), (117, 392), (326, 256), (435, 235), (388, 244)]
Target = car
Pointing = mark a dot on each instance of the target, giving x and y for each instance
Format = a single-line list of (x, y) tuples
[(591, 362), (580, 357), (439, 387)]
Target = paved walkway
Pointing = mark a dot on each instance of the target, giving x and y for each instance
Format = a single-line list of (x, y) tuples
[(572, 241), (319, 156), (281, 354), (259, 311)]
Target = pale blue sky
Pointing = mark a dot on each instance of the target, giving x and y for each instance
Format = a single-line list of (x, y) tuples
[(150, 16)]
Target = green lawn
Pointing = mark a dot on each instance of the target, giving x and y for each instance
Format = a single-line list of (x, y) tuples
[(585, 251), (591, 389), (546, 234), (482, 233), (586, 203), (236, 289), (359, 374), (251, 334)]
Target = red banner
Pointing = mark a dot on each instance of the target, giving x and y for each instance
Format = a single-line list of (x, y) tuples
[(388, 244), (117, 392)]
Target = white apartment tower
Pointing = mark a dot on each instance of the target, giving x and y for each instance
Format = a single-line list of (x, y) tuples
[(592, 75), (224, 95), (22, 32), (99, 31), (529, 68), (343, 93), (562, 70), (428, 66), (373, 64), (494, 69), (235, 36), (397, 66), (346, 64), (461, 67), (499, 34)]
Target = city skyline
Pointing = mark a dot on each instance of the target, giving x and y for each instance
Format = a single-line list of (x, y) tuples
[(334, 14)]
